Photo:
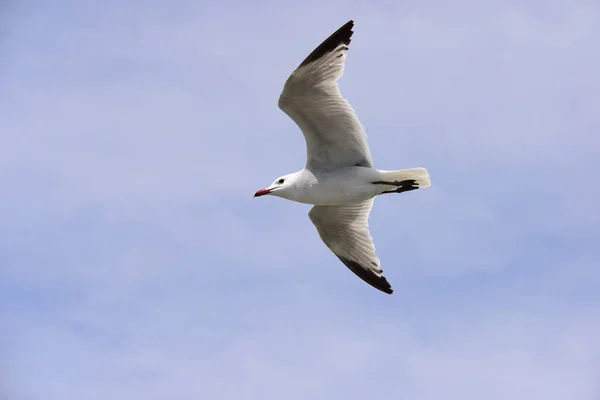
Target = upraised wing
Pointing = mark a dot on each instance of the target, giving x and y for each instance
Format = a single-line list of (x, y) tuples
[(312, 99)]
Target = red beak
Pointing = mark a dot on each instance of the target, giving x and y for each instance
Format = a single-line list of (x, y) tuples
[(262, 192)]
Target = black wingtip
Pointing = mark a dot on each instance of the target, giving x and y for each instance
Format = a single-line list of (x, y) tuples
[(340, 36), (378, 282)]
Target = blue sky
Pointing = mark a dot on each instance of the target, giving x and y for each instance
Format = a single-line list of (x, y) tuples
[(135, 264)]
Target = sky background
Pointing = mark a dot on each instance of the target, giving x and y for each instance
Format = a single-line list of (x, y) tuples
[(135, 264)]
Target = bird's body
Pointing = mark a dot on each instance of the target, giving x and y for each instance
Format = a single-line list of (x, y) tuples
[(339, 178), (346, 185)]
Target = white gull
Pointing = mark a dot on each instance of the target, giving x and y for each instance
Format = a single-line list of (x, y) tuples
[(338, 179)]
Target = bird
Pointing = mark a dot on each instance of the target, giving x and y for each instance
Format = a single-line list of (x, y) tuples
[(339, 179)]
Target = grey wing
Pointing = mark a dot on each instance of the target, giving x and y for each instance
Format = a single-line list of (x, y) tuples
[(345, 230), (312, 99)]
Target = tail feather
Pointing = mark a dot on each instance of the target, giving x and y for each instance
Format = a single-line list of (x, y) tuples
[(418, 174)]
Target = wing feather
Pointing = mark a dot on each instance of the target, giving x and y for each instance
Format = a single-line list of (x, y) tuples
[(345, 231), (312, 99)]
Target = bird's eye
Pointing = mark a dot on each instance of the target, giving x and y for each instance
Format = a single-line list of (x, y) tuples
[(281, 181)]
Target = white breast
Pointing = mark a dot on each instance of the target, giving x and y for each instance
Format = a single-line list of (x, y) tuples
[(342, 186)]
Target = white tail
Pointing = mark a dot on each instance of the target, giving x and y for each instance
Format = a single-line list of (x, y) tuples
[(418, 174)]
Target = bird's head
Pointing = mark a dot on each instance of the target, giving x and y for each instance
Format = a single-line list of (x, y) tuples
[(279, 187)]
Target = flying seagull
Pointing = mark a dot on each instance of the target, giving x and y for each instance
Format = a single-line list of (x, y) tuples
[(339, 178)]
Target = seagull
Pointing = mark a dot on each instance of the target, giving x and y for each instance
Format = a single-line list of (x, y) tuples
[(338, 179)]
